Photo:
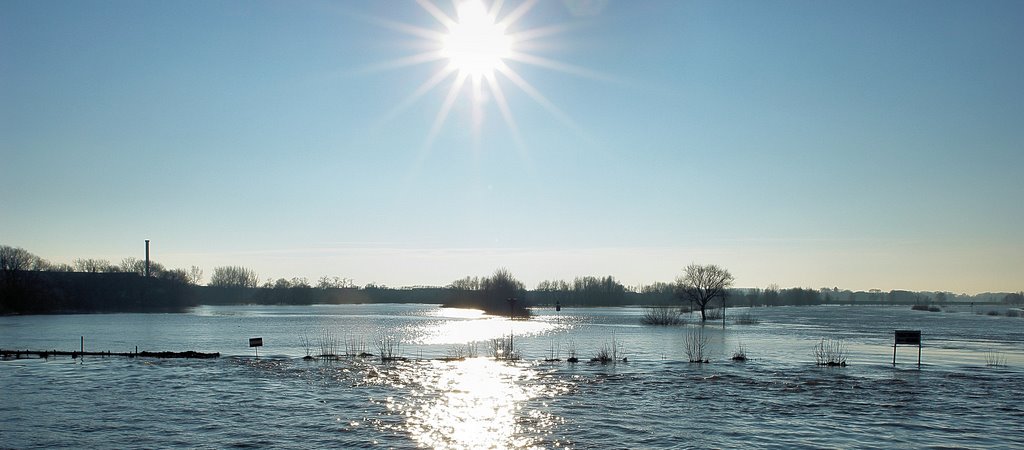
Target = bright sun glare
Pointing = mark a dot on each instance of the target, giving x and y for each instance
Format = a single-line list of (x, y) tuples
[(476, 45)]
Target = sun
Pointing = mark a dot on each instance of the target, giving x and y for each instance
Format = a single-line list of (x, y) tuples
[(476, 45), (478, 48)]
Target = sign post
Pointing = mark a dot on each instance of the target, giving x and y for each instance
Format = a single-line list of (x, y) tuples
[(256, 342), (907, 337)]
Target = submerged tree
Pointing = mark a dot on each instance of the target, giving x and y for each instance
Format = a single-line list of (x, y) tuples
[(500, 293), (702, 284)]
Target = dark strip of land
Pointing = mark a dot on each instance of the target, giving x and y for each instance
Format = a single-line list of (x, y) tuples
[(144, 354)]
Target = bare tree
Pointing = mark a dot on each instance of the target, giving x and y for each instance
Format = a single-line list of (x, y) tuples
[(133, 265), (234, 276), (138, 266), (702, 284), (91, 265), (16, 258), (195, 275), (326, 282), (466, 284), (176, 275)]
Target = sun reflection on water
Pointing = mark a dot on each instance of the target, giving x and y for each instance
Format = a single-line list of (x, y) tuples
[(482, 329), (473, 403)]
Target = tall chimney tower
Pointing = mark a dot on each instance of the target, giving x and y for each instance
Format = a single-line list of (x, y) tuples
[(147, 258)]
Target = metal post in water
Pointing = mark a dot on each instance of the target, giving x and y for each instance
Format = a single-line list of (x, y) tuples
[(723, 312), (82, 350), (147, 258)]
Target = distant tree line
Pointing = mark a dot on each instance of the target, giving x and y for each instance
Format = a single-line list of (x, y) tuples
[(582, 291), (30, 284)]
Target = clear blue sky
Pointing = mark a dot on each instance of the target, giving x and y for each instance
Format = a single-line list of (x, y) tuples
[(805, 143)]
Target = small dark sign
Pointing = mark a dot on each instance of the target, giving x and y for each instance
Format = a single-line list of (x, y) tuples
[(256, 342), (908, 337)]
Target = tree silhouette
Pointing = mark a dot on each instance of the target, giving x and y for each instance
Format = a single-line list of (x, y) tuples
[(702, 284), (233, 276)]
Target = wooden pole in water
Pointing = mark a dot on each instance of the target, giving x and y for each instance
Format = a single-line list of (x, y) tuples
[(83, 344)]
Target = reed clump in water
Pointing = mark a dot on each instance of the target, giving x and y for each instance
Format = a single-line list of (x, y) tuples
[(993, 359), (503, 349), (610, 352), (570, 348), (389, 348), (356, 347), (830, 352), (328, 342), (740, 354), (554, 354), (307, 346), (461, 352)]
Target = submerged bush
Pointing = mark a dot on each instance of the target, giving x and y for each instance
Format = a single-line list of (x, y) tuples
[(747, 319), (713, 315), (662, 315), (919, 307), (695, 344)]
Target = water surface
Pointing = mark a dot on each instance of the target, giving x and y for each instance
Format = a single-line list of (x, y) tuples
[(777, 399)]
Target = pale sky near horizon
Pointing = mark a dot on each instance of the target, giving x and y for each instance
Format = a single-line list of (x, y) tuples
[(868, 144)]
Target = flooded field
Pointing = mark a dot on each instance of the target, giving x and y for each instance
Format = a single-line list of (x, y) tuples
[(966, 394)]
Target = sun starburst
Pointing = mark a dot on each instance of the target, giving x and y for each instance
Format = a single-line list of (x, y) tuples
[(476, 45)]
